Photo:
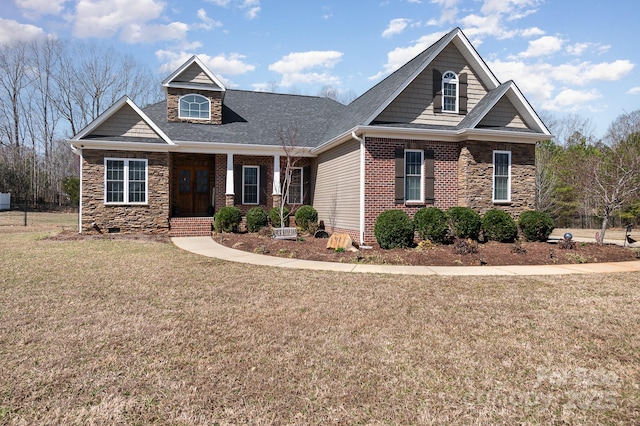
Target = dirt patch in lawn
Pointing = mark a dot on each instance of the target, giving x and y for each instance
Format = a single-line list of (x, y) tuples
[(491, 253)]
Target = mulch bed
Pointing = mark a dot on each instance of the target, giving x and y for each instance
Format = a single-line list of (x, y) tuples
[(491, 253)]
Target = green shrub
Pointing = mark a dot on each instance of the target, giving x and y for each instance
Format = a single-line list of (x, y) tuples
[(498, 225), (256, 219), (227, 219), (535, 225), (393, 228), (274, 217), (431, 224), (464, 222), (305, 216)]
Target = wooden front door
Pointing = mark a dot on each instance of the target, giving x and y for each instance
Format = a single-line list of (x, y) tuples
[(194, 197)]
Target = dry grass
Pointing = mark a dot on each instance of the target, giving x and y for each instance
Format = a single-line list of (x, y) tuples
[(135, 332)]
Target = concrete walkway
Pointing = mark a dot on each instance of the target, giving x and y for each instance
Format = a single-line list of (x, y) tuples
[(206, 246)]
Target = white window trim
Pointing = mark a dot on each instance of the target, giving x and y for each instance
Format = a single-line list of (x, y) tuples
[(126, 182), (457, 83), (422, 177), (301, 186), (193, 118), (244, 202), (493, 183)]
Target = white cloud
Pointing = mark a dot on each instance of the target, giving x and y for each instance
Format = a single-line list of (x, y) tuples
[(134, 33), (105, 18), (448, 13), (12, 31), (251, 7), (532, 32), (572, 100), (401, 55), (543, 46), (207, 23), (42, 7), (585, 72), (295, 67), (533, 79), (634, 91), (396, 26)]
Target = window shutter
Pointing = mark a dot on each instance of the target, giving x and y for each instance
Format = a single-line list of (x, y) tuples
[(437, 91), (399, 157), (306, 185), (237, 184), (429, 176), (263, 185), (462, 91)]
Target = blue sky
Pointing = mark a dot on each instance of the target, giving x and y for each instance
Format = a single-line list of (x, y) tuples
[(567, 56)]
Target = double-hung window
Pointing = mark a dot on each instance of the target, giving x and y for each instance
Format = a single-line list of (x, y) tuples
[(250, 184), (413, 176), (501, 176), (125, 180), (294, 196), (450, 92), (194, 106)]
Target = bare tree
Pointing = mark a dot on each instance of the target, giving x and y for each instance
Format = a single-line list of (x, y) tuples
[(288, 137), (615, 172)]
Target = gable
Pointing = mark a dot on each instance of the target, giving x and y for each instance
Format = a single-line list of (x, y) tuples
[(195, 75), (414, 105), (503, 114), (124, 122)]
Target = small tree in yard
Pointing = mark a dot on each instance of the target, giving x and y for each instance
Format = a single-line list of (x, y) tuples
[(288, 137), (615, 169)]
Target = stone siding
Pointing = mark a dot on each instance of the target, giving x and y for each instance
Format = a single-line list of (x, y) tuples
[(152, 217), (475, 177), (173, 100)]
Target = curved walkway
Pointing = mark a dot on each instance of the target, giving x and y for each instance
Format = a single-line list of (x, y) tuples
[(206, 246)]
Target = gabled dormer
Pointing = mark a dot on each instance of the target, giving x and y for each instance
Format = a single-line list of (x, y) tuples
[(194, 94)]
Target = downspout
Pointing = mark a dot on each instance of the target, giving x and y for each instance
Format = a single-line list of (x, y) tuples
[(78, 152), (80, 196), (362, 175)]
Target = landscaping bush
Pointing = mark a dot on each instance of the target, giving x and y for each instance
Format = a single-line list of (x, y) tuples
[(274, 217), (535, 225), (431, 224), (227, 219), (464, 222), (305, 216), (256, 219), (393, 228), (498, 225)]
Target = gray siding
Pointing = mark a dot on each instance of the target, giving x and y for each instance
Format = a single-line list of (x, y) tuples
[(503, 114), (337, 177), (415, 103), (194, 74), (125, 122)]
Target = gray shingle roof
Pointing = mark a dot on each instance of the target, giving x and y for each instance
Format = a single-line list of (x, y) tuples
[(253, 118)]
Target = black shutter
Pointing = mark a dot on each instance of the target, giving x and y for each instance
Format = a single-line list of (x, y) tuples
[(237, 184), (306, 185), (399, 158), (462, 91), (263, 185), (437, 91), (429, 176)]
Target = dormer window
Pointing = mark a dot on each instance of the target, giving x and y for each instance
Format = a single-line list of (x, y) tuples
[(450, 92), (195, 107)]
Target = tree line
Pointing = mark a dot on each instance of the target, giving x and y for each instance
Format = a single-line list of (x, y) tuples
[(589, 182), (49, 91), (52, 89)]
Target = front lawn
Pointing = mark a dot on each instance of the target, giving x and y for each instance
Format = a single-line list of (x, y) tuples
[(138, 332)]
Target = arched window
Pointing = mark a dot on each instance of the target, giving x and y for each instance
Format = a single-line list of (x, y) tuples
[(450, 92), (195, 106)]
